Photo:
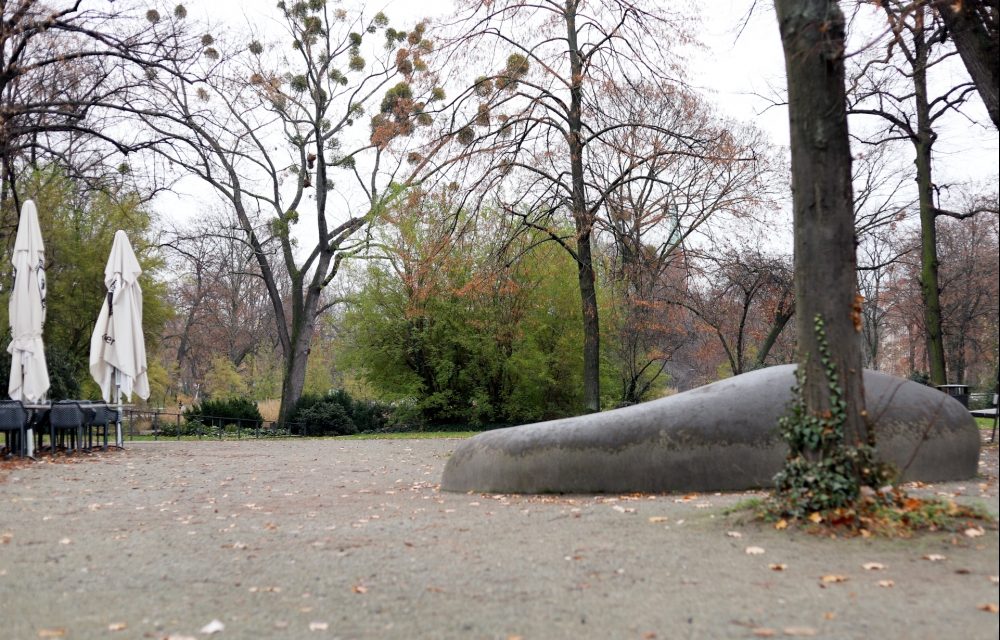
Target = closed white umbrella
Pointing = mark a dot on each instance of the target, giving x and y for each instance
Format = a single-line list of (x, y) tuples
[(29, 375), (117, 348)]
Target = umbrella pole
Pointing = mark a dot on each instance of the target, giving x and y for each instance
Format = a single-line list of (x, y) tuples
[(119, 442), (28, 446)]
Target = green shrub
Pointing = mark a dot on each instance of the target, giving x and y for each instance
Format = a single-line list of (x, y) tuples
[(229, 411), (337, 413), (326, 418)]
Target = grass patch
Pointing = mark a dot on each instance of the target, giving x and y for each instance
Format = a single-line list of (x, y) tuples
[(411, 435), (751, 505), (248, 435), (985, 424)]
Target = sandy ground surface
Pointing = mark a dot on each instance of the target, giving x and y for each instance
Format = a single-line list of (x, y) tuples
[(353, 539)]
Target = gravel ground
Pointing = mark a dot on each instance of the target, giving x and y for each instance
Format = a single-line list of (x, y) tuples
[(353, 539)]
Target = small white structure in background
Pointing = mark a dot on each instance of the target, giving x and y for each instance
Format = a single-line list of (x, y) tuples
[(29, 375), (117, 347)]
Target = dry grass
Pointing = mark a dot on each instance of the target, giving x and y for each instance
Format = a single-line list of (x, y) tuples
[(269, 409)]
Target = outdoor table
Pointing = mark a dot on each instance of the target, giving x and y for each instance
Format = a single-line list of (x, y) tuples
[(38, 412)]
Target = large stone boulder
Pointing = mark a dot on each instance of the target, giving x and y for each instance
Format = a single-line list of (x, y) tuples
[(722, 436)]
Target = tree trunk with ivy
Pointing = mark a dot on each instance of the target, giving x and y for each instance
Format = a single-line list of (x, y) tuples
[(828, 425)]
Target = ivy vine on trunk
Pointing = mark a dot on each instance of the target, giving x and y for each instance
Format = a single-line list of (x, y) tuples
[(824, 470)]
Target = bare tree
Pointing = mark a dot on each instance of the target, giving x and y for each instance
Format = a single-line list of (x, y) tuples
[(658, 209), (969, 294), (550, 103), (746, 300), (67, 72), (904, 104), (220, 298), (285, 139)]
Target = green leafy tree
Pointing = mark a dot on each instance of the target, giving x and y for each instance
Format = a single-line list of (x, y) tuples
[(445, 323), (78, 230), (223, 380)]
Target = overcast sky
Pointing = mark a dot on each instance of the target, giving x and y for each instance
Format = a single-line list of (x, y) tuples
[(740, 64)]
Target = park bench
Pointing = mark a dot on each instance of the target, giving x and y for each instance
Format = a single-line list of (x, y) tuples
[(989, 412)]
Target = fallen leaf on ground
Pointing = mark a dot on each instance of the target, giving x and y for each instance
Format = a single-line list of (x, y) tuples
[(658, 519), (621, 509), (734, 534), (799, 631), (52, 633), (887, 584), (65, 541), (781, 524), (816, 517), (989, 607), (359, 588), (215, 626), (117, 626), (777, 566), (934, 557), (754, 551), (832, 578), (318, 626), (6, 537), (995, 579), (763, 632), (974, 532), (873, 566), (829, 615)]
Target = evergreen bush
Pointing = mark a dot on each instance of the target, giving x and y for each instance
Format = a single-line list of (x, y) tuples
[(337, 413), (241, 412)]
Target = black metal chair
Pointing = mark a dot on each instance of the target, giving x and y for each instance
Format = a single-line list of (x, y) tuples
[(101, 420), (14, 422), (67, 416)]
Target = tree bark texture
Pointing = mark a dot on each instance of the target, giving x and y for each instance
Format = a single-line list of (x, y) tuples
[(812, 35), (584, 223), (929, 285), (303, 326)]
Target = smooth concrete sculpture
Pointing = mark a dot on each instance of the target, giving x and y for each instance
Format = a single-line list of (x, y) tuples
[(722, 436)]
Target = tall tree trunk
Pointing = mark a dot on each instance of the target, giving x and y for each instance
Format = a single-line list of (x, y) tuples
[(584, 224), (929, 285), (294, 381), (975, 37), (812, 35)]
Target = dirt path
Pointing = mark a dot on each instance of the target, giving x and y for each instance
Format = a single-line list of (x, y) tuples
[(352, 539)]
